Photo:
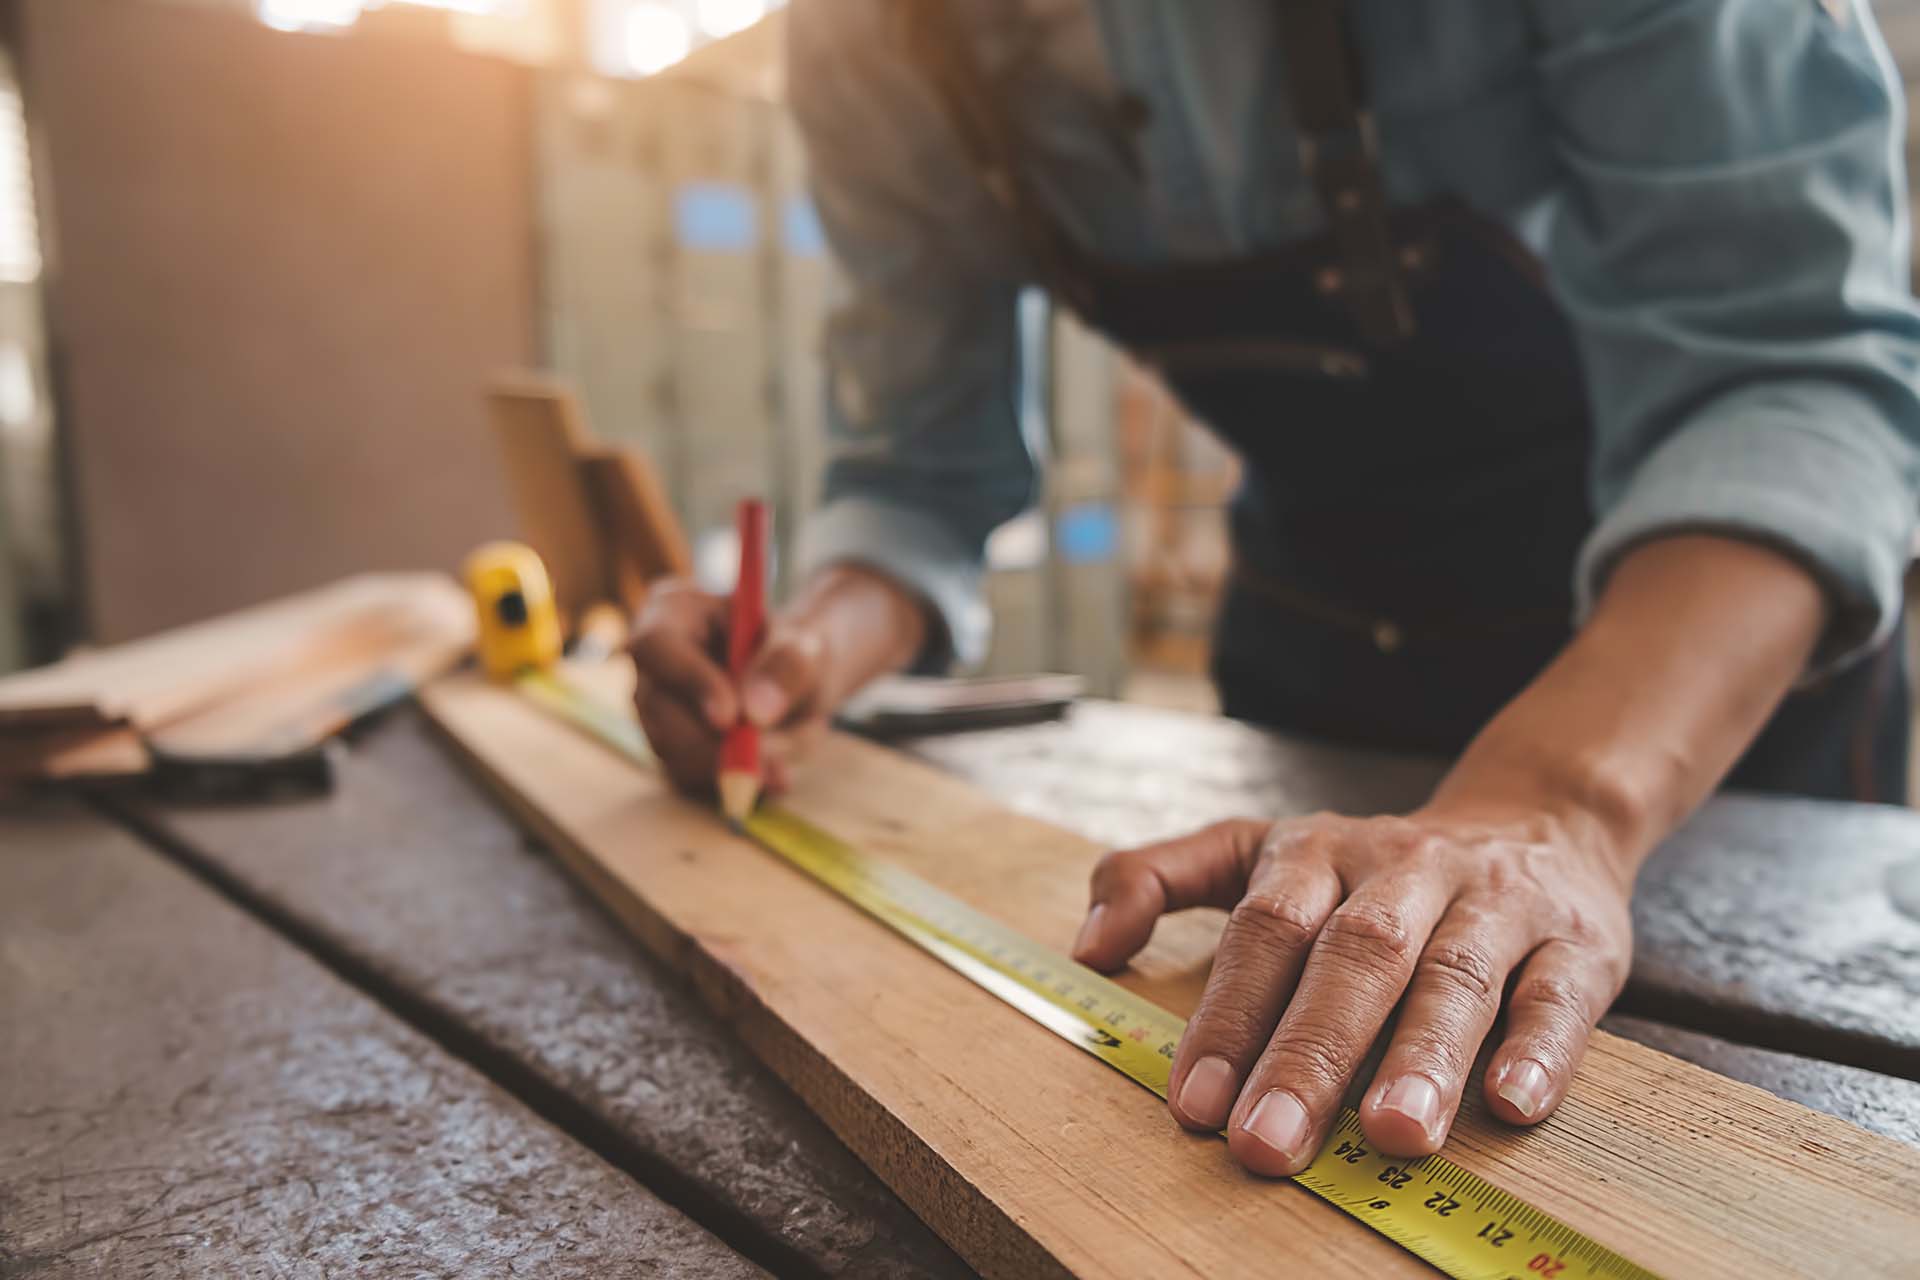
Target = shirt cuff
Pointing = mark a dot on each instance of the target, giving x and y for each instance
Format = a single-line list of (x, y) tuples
[(915, 550), (1809, 471)]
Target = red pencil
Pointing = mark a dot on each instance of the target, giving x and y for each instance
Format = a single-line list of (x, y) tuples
[(739, 780)]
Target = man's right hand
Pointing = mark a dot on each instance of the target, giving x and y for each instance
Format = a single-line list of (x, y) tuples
[(849, 625), (688, 701)]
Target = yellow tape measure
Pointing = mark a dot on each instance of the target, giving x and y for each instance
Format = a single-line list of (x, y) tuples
[(1458, 1222)]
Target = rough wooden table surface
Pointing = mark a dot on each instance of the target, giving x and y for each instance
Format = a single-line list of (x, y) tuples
[(185, 1093), (410, 879), (410, 882)]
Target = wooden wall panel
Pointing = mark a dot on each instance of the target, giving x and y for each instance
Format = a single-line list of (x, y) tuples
[(281, 269)]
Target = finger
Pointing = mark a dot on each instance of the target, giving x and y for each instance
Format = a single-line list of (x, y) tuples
[(1450, 1006), (671, 651), (791, 743), (783, 678), (1563, 990), (1355, 974), (688, 746), (1255, 969), (1133, 888)]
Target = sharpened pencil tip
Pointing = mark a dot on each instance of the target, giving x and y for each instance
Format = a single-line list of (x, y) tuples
[(738, 793)]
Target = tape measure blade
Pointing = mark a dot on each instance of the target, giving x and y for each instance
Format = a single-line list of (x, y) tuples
[(1088, 1010)]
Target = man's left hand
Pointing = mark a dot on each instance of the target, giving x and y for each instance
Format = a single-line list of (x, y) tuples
[(1335, 923)]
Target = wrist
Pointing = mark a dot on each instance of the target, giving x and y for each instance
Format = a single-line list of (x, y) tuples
[(1591, 800), (866, 624)]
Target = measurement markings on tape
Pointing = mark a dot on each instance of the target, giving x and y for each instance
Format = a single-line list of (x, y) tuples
[(1451, 1218)]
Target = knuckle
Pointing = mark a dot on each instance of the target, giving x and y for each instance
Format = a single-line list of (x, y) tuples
[(1371, 931), (1230, 1017), (1278, 923), (1443, 1057), (1561, 998), (1463, 967), (1314, 1059), (1117, 869)]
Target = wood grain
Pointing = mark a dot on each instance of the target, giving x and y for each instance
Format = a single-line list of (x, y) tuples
[(1031, 1159), (176, 674)]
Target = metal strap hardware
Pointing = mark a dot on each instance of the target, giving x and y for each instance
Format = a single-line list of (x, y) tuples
[(1339, 152)]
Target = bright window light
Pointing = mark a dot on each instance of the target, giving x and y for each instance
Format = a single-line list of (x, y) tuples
[(19, 230), (477, 8), (657, 36), (720, 18), (309, 15)]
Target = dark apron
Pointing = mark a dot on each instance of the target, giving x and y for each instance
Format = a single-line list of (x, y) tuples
[(1409, 406)]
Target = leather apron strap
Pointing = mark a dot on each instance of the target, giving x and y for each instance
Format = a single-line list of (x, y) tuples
[(1338, 152)]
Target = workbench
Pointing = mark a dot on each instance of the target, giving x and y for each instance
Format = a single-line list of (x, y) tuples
[(379, 1032)]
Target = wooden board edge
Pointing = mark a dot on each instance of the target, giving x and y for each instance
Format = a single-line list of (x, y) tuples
[(958, 1212)]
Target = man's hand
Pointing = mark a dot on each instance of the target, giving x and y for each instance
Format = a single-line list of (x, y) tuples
[(687, 700), (1519, 868), (848, 625), (1336, 920)]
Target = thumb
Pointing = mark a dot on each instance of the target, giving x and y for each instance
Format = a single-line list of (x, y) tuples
[(1133, 888), (783, 677)]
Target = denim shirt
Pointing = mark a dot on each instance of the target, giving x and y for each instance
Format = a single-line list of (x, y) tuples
[(1716, 188)]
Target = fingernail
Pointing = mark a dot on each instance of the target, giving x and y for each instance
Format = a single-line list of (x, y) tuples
[(1524, 1084), (1090, 930), (1208, 1093), (1280, 1122), (764, 702), (1415, 1098)]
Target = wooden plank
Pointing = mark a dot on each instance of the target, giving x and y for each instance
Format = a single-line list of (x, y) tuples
[(409, 873), (187, 1094), (1029, 1158), (304, 708), (172, 675), (1883, 1104), (542, 436)]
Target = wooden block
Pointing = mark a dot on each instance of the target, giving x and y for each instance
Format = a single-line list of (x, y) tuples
[(642, 529), (542, 435), (1030, 1158)]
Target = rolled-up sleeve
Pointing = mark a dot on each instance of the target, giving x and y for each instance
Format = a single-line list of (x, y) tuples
[(925, 455), (1732, 249)]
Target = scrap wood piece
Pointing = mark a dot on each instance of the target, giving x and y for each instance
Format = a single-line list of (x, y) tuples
[(1030, 1158), (362, 672), (147, 683), (59, 755), (261, 685)]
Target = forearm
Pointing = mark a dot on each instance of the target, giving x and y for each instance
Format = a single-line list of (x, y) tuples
[(865, 624), (1686, 654)]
